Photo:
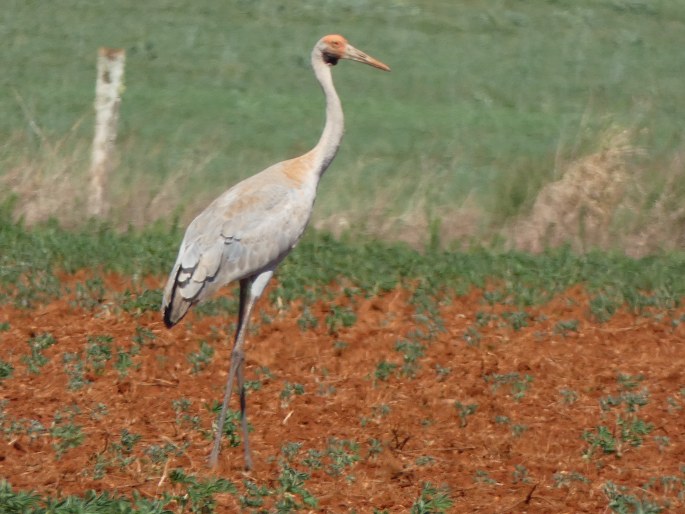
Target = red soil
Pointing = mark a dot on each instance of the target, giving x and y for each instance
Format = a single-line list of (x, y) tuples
[(510, 455)]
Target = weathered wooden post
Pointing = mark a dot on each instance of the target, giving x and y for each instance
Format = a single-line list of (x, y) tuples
[(108, 89)]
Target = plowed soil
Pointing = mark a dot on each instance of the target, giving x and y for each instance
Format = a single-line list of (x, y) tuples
[(495, 410)]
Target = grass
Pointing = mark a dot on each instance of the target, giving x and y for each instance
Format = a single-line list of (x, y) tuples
[(486, 104)]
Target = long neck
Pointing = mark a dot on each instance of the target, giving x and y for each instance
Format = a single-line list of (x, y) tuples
[(328, 144)]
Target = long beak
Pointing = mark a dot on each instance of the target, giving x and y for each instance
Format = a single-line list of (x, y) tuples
[(357, 55)]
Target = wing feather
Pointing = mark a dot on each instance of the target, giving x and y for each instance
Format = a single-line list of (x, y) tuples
[(248, 229)]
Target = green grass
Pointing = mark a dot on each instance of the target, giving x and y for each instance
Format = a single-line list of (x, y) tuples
[(486, 100)]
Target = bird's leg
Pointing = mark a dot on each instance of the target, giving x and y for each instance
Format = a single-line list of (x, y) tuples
[(237, 362), (243, 414)]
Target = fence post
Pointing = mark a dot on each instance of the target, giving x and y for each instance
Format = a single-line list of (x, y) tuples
[(108, 89)]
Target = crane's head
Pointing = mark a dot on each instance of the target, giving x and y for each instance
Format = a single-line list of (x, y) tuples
[(335, 47)]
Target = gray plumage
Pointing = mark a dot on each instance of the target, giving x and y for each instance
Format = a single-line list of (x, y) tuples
[(248, 230)]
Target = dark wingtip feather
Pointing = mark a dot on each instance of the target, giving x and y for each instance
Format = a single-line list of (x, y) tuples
[(167, 317)]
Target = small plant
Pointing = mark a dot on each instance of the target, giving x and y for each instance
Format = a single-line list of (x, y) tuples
[(565, 479), (411, 352), (464, 411), (341, 453), (160, 454), (520, 474), (563, 327), (569, 396), (199, 495), (601, 438), (289, 390), (6, 370), (432, 500), (98, 352), (483, 477), (307, 320), (518, 385), (90, 294), (291, 488), (425, 460), (517, 429), (472, 336), (200, 359), (182, 409), (375, 447), (65, 433), (517, 319), (139, 303), (75, 369), (622, 502), (340, 317), (384, 369), (254, 494), (37, 344), (441, 372), (143, 335), (231, 431)]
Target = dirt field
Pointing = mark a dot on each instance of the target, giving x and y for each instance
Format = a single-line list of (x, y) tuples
[(538, 411)]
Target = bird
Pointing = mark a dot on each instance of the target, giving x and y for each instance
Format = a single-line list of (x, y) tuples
[(249, 229)]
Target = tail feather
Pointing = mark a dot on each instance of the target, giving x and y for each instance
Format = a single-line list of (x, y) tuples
[(174, 306)]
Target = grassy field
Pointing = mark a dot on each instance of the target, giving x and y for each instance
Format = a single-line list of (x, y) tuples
[(486, 104)]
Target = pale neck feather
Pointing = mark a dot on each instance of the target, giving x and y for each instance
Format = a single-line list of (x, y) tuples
[(328, 144)]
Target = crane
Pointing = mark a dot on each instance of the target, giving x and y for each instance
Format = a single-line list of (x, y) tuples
[(247, 231)]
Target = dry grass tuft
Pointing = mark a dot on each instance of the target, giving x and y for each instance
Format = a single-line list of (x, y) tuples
[(580, 208)]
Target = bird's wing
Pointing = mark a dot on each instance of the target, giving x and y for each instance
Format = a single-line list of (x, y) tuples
[(248, 229)]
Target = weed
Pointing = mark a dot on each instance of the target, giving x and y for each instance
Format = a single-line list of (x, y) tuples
[(6, 370), (375, 447), (289, 390), (200, 360), (254, 494), (520, 475), (124, 362), (291, 487), (142, 336), (98, 352), (517, 319), (341, 453), (340, 317), (425, 460), (569, 397), (139, 303), (64, 432), (183, 417), (411, 352), (90, 294), (629, 382), (37, 344), (432, 500), (483, 477), (307, 320), (565, 479), (160, 454), (472, 336), (232, 424), (442, 373), (518, 385), (75, 369), (517, 429), (199, 494), (622, 502), (464, 411), (384, 369), (563, 327)]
